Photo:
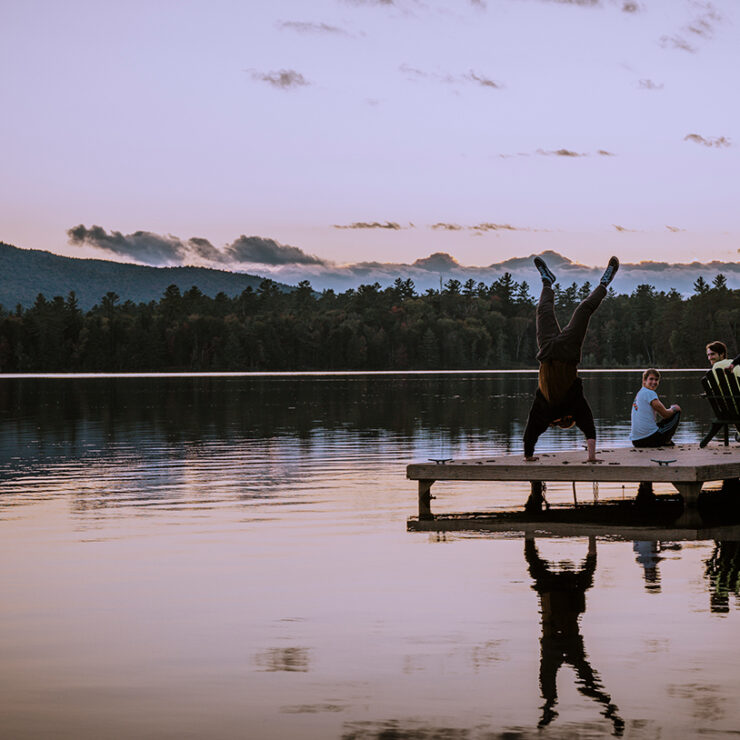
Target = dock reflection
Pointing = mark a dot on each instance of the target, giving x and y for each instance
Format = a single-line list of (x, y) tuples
[(562, 594)]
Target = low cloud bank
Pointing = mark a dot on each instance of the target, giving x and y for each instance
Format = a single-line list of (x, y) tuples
[(289, 264)]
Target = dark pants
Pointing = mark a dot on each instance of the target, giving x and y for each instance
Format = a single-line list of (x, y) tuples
[(565, 344), (666, 430)]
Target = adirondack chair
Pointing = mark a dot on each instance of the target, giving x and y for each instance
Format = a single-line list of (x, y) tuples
[(722, 390)]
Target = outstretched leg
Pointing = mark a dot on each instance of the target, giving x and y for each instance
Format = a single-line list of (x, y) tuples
[(572, 336), (547, 324)]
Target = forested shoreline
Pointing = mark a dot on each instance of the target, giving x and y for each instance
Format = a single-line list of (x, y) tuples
[(461, 326)]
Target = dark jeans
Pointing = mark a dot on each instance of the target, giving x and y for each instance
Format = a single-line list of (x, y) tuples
[(666, 430), (565, 344)]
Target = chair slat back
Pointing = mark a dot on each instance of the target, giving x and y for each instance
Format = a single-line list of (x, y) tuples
[(719, 395)]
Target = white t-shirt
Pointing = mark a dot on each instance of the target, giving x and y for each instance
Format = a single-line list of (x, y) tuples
[(643, 414)]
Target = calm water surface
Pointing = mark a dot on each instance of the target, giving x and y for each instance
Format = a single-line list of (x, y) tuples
[(228, 558)]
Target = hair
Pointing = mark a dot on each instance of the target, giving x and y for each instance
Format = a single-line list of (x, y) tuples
[(651, 371), (719, 347)]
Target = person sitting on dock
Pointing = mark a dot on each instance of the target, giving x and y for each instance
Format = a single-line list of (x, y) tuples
[(559, 399), (645, 432)]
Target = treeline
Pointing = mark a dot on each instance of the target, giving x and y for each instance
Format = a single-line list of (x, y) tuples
[(461, 326)]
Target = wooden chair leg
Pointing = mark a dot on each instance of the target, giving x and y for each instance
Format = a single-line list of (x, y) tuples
[(716, 426)]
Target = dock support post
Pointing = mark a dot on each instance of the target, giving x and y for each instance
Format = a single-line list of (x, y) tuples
[(536, 499), (690, 495), (425, 500)]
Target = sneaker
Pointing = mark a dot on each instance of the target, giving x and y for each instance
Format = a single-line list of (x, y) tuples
[(547, 275), (610, 272)]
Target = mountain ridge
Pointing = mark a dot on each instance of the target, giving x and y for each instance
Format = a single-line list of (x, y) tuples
[(28, 272)]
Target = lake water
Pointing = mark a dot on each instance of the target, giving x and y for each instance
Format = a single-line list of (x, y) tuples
[(227, 557)]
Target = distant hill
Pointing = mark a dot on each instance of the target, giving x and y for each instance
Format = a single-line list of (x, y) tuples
[(24, 273)]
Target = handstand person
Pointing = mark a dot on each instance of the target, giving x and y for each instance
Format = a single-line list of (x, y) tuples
[(559, 399), (645, 432)]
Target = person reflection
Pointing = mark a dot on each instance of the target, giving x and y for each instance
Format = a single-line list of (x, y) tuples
[(562, 601), (648, 556), (723, 574)]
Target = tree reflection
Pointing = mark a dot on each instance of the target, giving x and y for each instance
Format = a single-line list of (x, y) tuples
[(562, 601), (723, 573)]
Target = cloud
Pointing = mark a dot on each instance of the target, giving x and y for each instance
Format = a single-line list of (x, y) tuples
[(413, 73), (700, 27), (304, 27), (560, 153), (624, 228), (446, 227), (437, 261), (370, 2), (674, 229), (677, 42), (650, 85), (482, 81), (716, 142), (205, 250), (481, 227), (495, 227), (142, 246), (155, 249), (703, 24), (373, 225), (605, 153), (582, 3), (630, 7), (479, 3), (284, 79), (261, 251)]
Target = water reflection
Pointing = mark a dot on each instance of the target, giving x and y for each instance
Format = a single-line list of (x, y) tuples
[(648, 555), (154, 533), (562, 593), (723, 576)]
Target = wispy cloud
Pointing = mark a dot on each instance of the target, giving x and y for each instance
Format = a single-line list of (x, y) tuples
[(284, 79), (624, 229), (441, 226), (676, 42), (370, 2), (392, 225), (496, 227), (674, 229), (560, 153), (305, 27), (650, 85), (628, 6), (480, 228), (482, 81), (413, 73), (718, 142), (581, 3), (700, 28)]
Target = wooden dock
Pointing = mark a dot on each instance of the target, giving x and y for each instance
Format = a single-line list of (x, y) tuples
[(686, 466)]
